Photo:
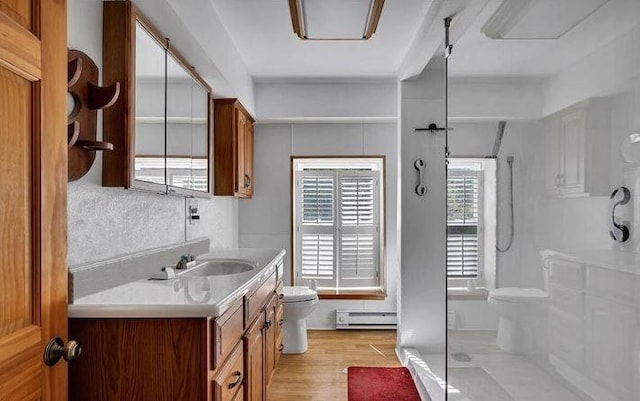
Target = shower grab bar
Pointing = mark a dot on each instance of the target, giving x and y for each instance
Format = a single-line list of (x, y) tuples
[(421, 189)]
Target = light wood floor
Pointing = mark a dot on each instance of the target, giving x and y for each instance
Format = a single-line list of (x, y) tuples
[(320, 373)]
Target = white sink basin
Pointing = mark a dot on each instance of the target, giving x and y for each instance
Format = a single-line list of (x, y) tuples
[(220, 267)]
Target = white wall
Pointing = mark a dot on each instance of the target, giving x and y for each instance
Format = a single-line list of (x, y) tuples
[(265, 220), (494, 99), (607, 70), (331, 100), (104, 222)]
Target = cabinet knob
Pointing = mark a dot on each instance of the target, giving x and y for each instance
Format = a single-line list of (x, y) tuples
[(56, 350), (281, 347)]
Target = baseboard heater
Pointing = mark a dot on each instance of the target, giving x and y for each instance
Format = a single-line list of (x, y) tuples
[(369, 320)]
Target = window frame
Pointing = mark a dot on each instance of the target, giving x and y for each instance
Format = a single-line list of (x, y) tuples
[(366, 293), (487, 258)]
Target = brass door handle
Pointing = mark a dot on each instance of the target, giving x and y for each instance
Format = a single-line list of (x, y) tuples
[(56, 350), (238, 380)]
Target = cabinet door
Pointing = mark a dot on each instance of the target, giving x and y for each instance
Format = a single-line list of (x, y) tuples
[(613, 336), (241, 122), (228, 382), (573, 151), (553, 150), (248, 157), (254, 356), (270, 339)]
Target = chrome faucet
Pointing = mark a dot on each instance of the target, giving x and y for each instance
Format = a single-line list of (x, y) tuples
[(185, 262)]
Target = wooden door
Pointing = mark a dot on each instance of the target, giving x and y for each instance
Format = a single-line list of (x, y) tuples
[(254, 364), (33, 178), (248, 156), (241, 122)]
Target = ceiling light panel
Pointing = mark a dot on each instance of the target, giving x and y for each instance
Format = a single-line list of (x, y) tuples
[(335, 19), (538, 19)]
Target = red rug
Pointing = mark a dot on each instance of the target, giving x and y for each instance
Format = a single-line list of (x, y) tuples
[(381, 384)]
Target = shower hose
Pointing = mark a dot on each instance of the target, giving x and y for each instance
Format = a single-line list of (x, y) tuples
[(511, 232)]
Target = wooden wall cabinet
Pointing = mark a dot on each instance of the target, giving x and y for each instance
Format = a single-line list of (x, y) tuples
[(228, 358), (161, 126), (576, 164), (233, 147)]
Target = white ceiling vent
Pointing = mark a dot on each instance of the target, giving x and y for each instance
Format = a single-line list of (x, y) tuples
[(335, 19), (538, 19)]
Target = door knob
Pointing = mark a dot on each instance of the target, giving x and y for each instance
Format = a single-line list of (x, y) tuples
[(56, 349)]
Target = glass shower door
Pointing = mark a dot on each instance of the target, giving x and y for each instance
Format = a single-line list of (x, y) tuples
[(543, 223)]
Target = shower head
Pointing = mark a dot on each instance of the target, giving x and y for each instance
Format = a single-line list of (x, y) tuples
[(499, 135)]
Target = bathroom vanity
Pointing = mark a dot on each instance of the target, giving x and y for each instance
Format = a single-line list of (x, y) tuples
[(594, 321), (198, 336)]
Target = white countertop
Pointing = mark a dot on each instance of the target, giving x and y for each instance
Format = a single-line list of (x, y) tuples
[(183, 296), (626, 262)]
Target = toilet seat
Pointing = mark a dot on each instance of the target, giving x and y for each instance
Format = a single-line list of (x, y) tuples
[(518, 295), (298, 294)]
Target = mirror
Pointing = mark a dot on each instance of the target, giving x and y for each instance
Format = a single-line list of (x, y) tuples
[(150, 137), (187, 139), (179, 124), (199, 138)]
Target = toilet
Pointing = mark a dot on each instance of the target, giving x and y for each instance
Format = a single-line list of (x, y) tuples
[(298, 303), (523, 316)]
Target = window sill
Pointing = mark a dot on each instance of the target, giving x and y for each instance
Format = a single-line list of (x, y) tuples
[(352, 294), (462, 294)]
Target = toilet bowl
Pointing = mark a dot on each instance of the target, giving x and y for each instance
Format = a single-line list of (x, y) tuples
[(298, 303), (522, 312)]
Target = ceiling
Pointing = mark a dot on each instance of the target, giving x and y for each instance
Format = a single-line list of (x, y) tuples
[(475, 55), (262, 32)]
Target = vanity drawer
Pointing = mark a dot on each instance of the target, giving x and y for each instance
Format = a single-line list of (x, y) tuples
[(230, 380), (254, 301), (280, 293), (227, 333), (567, 274), (567, 300)]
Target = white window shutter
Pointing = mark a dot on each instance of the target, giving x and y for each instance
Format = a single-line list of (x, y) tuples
[(359, 210), (463, 218), (316, 226)]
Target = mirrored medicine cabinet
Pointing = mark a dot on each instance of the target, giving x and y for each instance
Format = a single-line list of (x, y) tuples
[(161, 127)]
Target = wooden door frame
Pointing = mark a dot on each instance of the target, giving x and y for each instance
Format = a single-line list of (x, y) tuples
[(50, 153)]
